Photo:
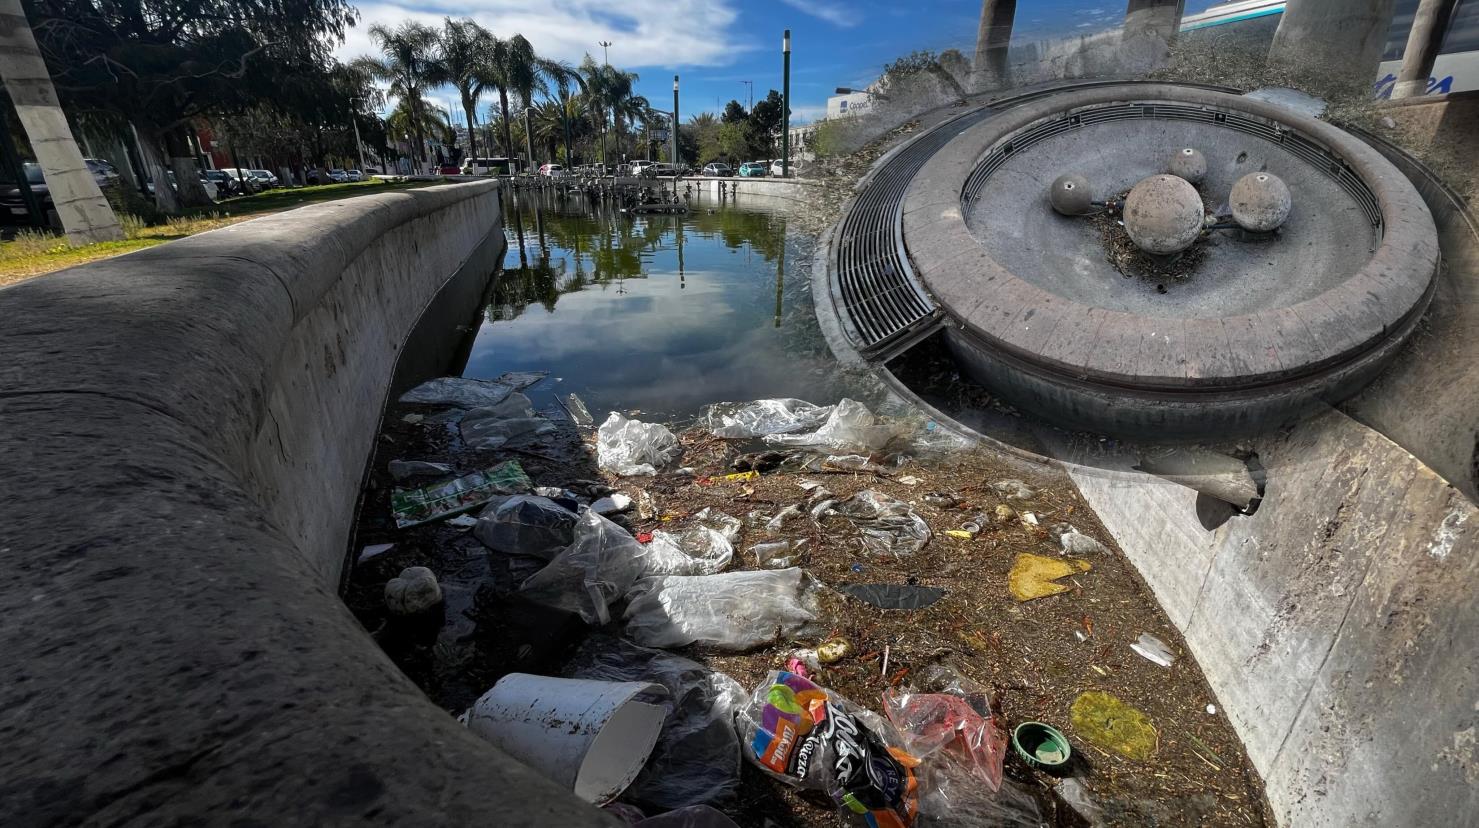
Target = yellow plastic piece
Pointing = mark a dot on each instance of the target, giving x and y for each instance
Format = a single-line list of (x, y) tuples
[(1032, 575), (1107, 722)]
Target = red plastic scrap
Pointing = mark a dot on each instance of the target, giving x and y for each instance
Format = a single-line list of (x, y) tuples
[(644, 537), (935, 722)]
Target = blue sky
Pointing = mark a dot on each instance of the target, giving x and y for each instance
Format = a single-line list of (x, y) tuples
[(716, 45)]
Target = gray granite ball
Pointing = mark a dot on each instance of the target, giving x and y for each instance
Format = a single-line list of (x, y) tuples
[(1188, 163), (1163, 214), (1070, 195), (1260, 202)]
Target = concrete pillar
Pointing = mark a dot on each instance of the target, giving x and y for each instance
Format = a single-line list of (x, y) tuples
[(993, 38), (1429, 25), (1150, 29), (85, 214), (1339, 39)]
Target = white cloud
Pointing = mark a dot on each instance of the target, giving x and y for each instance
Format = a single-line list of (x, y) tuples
[(643, 33), (833, 13)]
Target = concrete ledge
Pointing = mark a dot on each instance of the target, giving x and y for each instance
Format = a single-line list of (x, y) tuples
[(184, 432)]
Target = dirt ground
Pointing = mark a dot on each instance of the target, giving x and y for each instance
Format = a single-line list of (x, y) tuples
[(1028, 653)]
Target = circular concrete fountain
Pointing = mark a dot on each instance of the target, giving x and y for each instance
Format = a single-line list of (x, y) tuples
[(1240, 331)]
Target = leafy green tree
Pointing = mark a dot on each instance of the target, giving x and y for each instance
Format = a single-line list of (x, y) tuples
[(161, 64), (464, 46), (765, 124), (408, 62)]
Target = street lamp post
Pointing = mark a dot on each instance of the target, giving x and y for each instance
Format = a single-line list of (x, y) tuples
[(786, 104), (675, 133), (751, 84), (354, 119), (606, 61)]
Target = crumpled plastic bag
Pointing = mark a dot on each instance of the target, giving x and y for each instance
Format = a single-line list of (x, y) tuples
[(457, 392), (887, 526), (850, 428), (734, 611), (809, 737), (945, 723), (632, 447), (601, 563), (761, 417), (697, 757), (491, 426), (526, 525), (952, 798), (725, 524), (697, 550)]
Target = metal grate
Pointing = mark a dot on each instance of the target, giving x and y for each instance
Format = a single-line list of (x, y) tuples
[(884, 307)]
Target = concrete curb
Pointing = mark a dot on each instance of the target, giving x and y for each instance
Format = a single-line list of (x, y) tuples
[(184, 432)]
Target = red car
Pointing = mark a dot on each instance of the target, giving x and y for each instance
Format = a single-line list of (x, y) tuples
[(449, 169)]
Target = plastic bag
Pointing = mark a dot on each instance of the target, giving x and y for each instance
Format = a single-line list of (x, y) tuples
[(850, 428), (888, 526), (780, 554), (697, 816), (952, 798), (697, 757), (600, 565), (457, 392), (697, 550), (734, 611), (402, 469), (526, 525), (810, 738), (490, 427), (727, 525), (761, 417), (932, 723), (631, 447)]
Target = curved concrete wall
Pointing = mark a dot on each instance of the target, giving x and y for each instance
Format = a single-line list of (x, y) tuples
[(183, 433)]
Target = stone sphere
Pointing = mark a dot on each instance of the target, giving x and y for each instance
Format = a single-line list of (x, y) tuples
[(1189, 164), (1163, 214), (414, 591), (1070, 195), (1260, 202)]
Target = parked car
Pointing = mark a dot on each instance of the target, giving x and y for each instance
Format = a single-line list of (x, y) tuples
[(667, 169), (338, 176), (356, 175), (777, 171), (553, 171), (243, 181), (224, 184), (13, 202), (718, 169), (449, 169), (265, 178), (754, 169), (102, 171)]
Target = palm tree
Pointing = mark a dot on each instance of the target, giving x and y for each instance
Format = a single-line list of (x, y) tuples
[(408, 57), (596, 79), (420, 121), (548, 122), (564, 77), (463, 47), (509, 66)]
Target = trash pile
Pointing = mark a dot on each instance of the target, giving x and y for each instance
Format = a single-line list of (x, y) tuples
[(781, 590)]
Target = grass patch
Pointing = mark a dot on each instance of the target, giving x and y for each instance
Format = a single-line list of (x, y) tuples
[(34, 252)]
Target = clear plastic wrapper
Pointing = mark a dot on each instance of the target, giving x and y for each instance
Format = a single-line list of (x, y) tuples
[(734, 611), (762, 417), (457, 392), (936, 723), (600, 565), (887, 526), (725, 524), (403, 469), (632, 447), (526, 525), (808, 737), (849, 428), (490, 427), (697, 550), (697, 757), (780, 554), (953, 798)]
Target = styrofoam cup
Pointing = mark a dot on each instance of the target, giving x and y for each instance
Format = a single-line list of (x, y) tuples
[(593, 737)]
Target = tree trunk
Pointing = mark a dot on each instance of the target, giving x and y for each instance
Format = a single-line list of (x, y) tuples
[(993, 39), (164, 195), (529, 136), (1333, 42), (469, 109), (85, 214), (508, 134), (187, 174), (1429, 25), (1150, 29)]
